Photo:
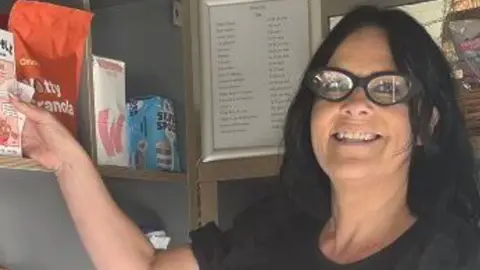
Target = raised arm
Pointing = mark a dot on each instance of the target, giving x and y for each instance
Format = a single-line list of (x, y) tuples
[(111, 239)]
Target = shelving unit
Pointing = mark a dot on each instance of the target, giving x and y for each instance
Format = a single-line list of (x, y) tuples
[(158, 62), (157, 57), (143, 32)]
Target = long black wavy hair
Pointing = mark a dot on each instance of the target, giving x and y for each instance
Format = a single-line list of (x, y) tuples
[(442, 177)]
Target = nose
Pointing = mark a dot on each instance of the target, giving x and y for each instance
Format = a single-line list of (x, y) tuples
[(357, 104)]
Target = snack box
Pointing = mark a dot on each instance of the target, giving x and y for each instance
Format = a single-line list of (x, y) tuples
[(11, 121), (152, 134)]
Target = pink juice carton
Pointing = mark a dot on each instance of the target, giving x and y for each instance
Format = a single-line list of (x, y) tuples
[(110, 125)]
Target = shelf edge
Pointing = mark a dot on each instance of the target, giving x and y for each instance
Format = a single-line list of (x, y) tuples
[(147, 175), (21, 164)]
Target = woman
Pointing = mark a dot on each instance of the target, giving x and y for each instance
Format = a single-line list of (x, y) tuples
[(378, 171)]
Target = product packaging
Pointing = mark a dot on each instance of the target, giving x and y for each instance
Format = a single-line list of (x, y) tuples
[(152, 135), (109, 95), (158, 239), (7, 57), (50, 46), (463, 32), (11, 121)]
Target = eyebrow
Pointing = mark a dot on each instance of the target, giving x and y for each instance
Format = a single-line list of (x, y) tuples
[(365, 74)]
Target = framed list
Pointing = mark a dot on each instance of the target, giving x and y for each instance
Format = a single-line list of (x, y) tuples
[(253, 55)]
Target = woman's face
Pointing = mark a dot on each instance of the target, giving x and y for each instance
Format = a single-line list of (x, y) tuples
[(355, 138)]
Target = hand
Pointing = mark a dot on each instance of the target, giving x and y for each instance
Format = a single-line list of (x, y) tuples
[(45, 139)]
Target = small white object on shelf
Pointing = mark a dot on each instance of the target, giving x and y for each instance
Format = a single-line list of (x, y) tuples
[(158, 239)]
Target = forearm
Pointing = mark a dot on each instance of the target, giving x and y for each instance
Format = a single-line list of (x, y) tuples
[(111, 239)]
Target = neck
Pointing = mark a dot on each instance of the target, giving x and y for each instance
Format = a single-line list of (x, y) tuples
[(367, 216)]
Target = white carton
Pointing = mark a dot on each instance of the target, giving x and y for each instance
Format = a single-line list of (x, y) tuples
[(109, 95)]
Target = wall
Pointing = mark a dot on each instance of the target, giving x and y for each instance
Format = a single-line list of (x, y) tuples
[(337, 7), (36, 231)]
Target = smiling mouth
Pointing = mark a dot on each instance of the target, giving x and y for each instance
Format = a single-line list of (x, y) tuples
[(356, 137)]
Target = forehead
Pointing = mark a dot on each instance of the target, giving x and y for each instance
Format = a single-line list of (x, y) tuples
[(364, 52)]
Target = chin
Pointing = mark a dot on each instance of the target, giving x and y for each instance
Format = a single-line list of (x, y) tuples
[(351, 172)]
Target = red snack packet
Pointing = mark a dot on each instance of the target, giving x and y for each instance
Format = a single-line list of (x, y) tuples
[(50, 47)]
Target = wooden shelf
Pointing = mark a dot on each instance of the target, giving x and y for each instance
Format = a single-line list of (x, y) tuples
[(147, 175), (235, 169), (24, 164)]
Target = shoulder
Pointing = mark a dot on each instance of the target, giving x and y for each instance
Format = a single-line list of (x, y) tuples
[(252, 232), (257, 221), (452, 244)]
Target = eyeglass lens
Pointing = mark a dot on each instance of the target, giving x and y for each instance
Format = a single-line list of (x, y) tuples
[(335, 86)]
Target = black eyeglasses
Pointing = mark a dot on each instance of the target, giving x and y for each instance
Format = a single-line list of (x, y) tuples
[(383, 88)]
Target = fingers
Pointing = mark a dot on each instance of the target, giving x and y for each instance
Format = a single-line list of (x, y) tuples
[(31, 111)]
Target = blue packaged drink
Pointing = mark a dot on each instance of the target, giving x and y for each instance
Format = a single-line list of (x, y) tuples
[(152, 138)]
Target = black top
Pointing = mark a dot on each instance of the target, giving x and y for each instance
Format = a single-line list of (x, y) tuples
[(277, 235)]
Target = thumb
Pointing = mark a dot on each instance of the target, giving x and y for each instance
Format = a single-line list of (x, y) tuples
[(31, 111)]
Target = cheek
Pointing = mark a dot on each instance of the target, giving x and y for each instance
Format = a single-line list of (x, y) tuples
[(320, 124), (400, 126)]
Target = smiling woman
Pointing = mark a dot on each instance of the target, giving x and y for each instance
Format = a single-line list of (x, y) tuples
[(378, 172), (354, 117)]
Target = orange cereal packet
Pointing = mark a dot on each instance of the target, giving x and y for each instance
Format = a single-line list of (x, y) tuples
[(50, 46)]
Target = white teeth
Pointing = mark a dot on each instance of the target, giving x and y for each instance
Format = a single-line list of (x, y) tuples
[(357, 136)]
